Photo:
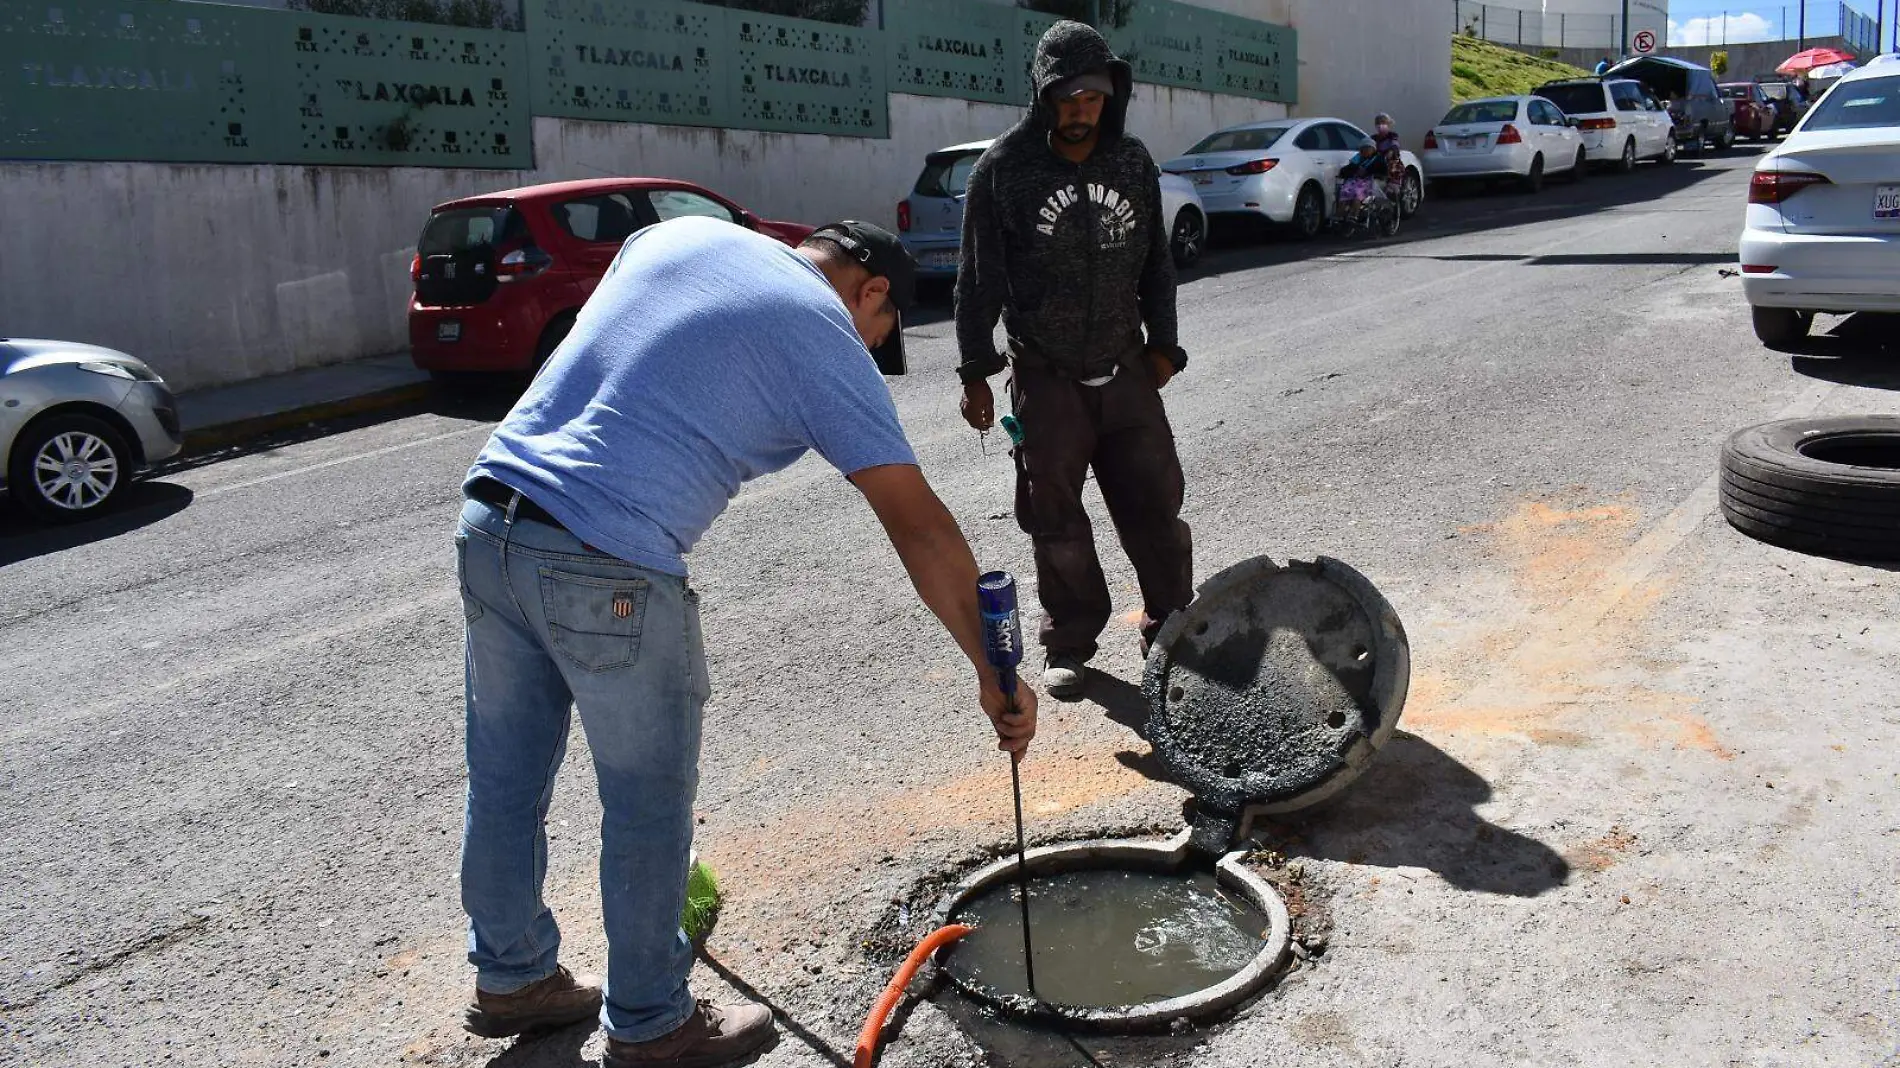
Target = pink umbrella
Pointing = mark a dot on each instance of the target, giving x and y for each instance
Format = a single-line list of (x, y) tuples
[(1802, 62)]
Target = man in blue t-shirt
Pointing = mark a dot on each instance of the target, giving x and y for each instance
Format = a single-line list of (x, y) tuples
[(709, 355)]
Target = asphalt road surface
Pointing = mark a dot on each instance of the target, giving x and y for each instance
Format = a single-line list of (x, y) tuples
[(1642, 811)]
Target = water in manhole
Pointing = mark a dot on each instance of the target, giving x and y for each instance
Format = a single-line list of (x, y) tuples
[(1109, 938)]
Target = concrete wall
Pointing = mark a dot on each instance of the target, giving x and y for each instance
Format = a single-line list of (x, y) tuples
[(222, 273)]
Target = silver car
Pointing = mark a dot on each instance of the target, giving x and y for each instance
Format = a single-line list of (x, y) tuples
[(76, 423)]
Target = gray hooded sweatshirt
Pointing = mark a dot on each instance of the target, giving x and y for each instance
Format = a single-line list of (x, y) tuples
[(1073, 257)]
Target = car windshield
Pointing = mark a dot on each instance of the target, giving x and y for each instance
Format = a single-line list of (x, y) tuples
[(946, 174), (1482, 111), (1253, 139), (1872, 102), (1581, 99), (1776, 91)]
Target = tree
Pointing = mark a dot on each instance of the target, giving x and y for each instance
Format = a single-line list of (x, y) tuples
[(841, 12), (480, 14), (1718, 63), (1113, 13)]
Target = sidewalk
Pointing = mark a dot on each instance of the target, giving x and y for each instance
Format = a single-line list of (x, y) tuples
[(222, 416)]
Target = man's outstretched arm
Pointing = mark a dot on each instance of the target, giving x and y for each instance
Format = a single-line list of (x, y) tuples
[(943, 569)]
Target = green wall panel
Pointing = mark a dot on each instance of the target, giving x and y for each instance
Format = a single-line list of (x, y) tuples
[(369, 91), (169, 81), (1032, 26), (633, 61), (136, 80), (1251, 58), (956, 48), (1166, 43), (797, 76)]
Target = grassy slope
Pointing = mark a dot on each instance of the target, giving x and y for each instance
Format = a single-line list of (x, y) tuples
[(1480, 69)]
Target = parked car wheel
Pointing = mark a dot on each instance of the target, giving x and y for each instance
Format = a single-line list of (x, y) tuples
[(1411, 194), (1669, 151), (1309, 213), (1727, 140), (68, 468), (1819, 485), (1534, 181), (1581, 169), (1781, 326), (551, 338), (1626, 162), (1189, 238)]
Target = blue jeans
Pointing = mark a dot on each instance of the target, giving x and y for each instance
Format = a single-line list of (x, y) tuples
[(551, 625)]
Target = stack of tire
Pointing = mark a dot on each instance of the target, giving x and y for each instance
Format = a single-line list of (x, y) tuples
[(1828, 486)]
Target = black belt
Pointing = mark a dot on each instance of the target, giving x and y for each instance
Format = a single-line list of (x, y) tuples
[(490, 491)]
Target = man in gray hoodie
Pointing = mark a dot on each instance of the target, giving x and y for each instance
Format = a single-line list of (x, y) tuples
[(1063, 239)]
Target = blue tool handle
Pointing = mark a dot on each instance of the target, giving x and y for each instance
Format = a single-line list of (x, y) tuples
[(1002, 627)]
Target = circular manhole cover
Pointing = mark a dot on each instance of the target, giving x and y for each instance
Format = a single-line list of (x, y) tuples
[(1277, 685)]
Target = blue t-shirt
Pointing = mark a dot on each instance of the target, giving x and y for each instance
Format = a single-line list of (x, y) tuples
[(709, 355)]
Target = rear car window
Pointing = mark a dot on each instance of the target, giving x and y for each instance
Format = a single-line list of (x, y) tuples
[(1252, 140), (1859, 105), (451, 233), (1776, 91), (946, 174), (1486, 111), (608, 219), (1585, 99), (678, 203), (1736, 92)]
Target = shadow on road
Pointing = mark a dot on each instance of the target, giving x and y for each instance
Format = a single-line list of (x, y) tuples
[(1859, 351), (143, 504), (1416, 808), (1125, 705), (482, 400), (797, 1030)]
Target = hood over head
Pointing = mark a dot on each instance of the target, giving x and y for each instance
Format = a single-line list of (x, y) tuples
[(1070, 49)]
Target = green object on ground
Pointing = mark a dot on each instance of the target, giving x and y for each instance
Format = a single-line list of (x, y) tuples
[(1480, 69), (702, 901)]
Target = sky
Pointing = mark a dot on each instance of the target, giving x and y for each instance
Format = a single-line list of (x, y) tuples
[(1699, 22)]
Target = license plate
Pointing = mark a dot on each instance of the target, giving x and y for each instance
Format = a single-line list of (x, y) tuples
[(1887, 202), (1468, 142), (448, 331), (943, 257), (1204, 178)]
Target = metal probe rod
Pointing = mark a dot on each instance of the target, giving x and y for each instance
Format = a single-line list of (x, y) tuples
[(1003, 648), (1022, 872)]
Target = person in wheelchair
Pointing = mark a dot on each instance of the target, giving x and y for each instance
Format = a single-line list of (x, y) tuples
[(1361, 182)]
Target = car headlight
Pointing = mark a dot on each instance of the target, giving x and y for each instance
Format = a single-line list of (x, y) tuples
[(119, 370)]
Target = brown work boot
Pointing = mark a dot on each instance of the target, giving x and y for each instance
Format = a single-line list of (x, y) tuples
[(554, 1002), (713, 1036)]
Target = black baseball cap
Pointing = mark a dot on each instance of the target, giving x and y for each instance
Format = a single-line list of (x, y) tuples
[(884, 256)]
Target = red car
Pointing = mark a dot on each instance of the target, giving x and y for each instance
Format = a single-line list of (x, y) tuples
[(1755, 116), (499, 278)]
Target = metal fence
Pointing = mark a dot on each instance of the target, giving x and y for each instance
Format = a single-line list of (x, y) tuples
[(1535, 28), (162, 80)]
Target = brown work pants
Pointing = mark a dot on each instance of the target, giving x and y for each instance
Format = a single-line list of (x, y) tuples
[(1120, 429)]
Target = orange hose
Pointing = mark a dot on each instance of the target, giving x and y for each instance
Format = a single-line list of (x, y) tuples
[(874, 1024)]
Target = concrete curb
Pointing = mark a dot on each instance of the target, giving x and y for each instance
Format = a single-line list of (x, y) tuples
[(226, 435)]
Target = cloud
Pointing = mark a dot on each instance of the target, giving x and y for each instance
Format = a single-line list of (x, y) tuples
[(1742, 29)]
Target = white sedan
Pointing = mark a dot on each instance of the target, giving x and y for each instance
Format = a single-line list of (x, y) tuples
[(1522, 137), (1285, 170), (1823, 229)]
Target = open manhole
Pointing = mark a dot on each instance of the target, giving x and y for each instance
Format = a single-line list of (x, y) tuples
[(1269, 693), (1127, 935)]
